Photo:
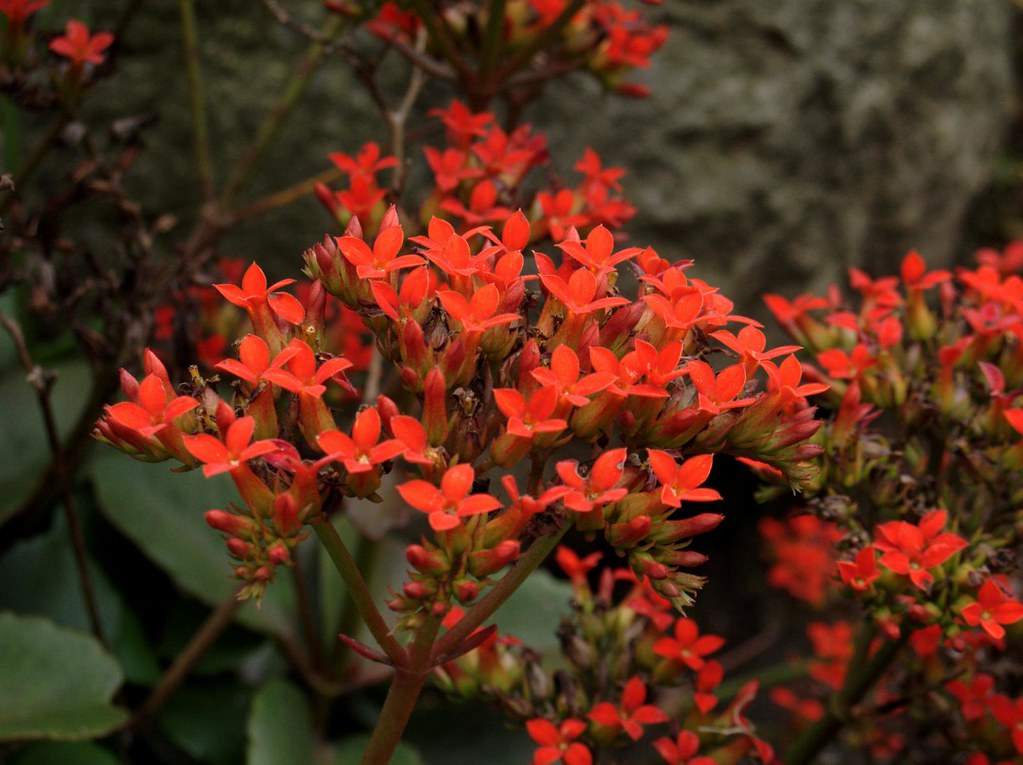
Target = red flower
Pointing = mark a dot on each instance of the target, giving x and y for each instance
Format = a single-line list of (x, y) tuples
[(77, 45), (564, 375), (302, 375), (681, 751), (596, 253), (558, 744), (254, 360), (577, 294), (992, 609), (478, 314), (681, 482), (912, 550), (229, 454), (862, 571), (360, 452), (451, 501), (632, 714), (688, 646), (153, 409), (527, 418), (598, 487), (382, 259), (576, 568), (18, 10), (254, 294), (365, 164)]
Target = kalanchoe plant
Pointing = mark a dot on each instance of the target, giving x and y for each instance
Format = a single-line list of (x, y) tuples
[(915, 510), (618, 434)]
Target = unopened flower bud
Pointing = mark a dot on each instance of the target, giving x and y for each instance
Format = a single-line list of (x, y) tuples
[(279, 553)]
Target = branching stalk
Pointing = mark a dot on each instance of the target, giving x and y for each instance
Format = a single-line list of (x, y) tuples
[(359, 590)]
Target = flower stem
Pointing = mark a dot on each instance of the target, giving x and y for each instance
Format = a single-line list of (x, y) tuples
[(359, 591), (499, 593), (402, 696), (860, 680)]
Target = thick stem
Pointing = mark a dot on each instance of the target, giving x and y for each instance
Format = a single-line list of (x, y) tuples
[(499, 593), (402, 696), (359, 591), (858, 682), (196, 98)]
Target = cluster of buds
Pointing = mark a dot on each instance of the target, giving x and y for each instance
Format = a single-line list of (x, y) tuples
[(494, 374), (601, 37), (631, 670), (919, 491), (479, 177)]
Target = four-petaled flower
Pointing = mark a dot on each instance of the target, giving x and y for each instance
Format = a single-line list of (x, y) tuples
[(558, 744), (231, 453), (452, 501), (153, 409), (912, 550), (688, 646), (632, 714), (681, 482), (79, 46), (361, 451), (860, 572), (380, 261), (598, 488), (682, 750), (992, 609)]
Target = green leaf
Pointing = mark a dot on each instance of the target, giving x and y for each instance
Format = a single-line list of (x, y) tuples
[(533, 612), (40, 577), (207, 720), (24, 450), (280, 726), (466, 734), (41, 696), (65, 753), (351, 750), (162, 512)]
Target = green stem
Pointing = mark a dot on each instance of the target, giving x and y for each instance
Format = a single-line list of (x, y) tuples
[(365, 555), (402, 696), (275, 120), (499, 593), (858, 682), (359, 591), (196, 98), (492, 41)]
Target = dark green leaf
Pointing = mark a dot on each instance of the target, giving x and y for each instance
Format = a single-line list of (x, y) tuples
[(533, 612), (40, 577), (41, 696), (207, 720), (65, 753), (280, 726), (350, 751), (24, 450), (162, 512)]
